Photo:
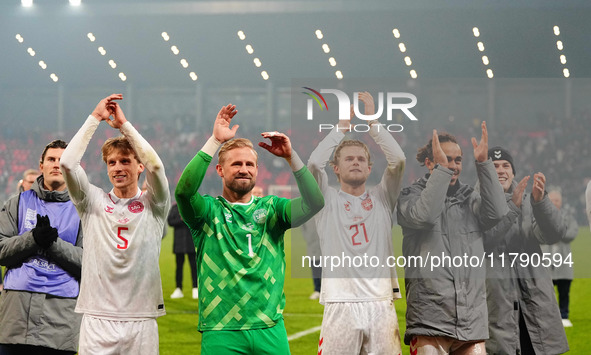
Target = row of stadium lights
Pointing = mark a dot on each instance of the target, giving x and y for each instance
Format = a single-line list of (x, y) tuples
[(403, 50), (175, 50), (560, 47), (250, 50), (326, 49), (29, 3), (485, 60), (32, 53), (103, 52)]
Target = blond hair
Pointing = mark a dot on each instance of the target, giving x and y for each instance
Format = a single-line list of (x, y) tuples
[(234, 144)]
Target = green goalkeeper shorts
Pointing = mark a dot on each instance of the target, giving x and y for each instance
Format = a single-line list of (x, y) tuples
[(271, 341)]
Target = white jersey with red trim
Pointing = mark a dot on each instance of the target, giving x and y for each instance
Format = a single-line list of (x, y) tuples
[(120, 272), (355, 231)]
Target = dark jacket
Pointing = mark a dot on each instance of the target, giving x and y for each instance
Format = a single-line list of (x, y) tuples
[(183, 241), (523, 288), (37, 318)]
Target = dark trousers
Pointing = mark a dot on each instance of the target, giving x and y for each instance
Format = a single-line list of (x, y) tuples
[(180, 259), (563, 286), (317, 277)]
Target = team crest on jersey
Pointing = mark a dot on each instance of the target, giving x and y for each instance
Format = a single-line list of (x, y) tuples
[(136, 207), (367, 204), (347, 206), (260, 216), (109, 209)]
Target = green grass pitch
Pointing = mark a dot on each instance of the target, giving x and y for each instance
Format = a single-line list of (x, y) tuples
[(178, 329)]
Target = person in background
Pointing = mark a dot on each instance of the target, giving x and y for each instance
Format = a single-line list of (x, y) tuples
[(563, 274), (29, 177), (182, 245)]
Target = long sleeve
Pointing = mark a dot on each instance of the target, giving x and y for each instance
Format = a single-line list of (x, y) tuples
[(391, 182), (548, 225), (588, 203), (311, 200), (320, 156), (421, 209), (492, 205), (496, 238), (68, 256), (14, 251), (572, 227), (190, 203), (75, 176), (155, 174)]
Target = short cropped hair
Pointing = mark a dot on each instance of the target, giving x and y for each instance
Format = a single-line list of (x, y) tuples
[(349, 143), (427, 151), (120, 143), (234, 144), (58, 143)]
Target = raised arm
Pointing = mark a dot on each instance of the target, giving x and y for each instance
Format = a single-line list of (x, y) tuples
[(321, 155), (311, 200), (391, 182), (420, 207), (492, 205), (157, 182), (190, 203)]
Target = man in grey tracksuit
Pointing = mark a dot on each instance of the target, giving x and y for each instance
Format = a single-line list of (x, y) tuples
[(440, 216), (522, 309), (41, 247)]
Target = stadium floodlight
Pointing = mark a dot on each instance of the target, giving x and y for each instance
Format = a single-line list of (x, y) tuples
[(563, 59), (257, 62), (184, 63), (402, 47), (557, 30), (241, 35), (413, 74), (396, 33), (75, 2), (193, 76), (249, 49), (54, 77), (165, 36), (326, 48), (42, 65), (332, 61), (319, 34), (559, 45), (566, 72), (175, 50), (339, 74), (265, 75), (26, 3), (19, 38), (489, 73), (122, 76), (408, 61), (476, 32)]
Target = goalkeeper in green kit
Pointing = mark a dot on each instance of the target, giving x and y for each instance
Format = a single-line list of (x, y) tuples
[(239, 241)]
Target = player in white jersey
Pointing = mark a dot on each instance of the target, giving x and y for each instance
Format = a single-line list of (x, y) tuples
[(121, 290), (359, 314)]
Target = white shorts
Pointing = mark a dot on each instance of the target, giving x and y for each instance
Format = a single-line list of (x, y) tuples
[(100, 336), (359, 328)]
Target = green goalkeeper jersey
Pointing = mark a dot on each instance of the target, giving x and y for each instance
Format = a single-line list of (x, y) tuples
[(240, 249)]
